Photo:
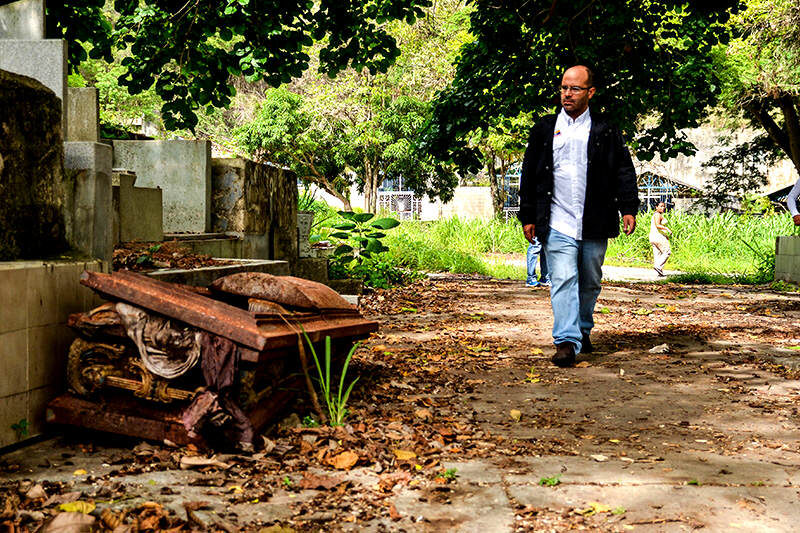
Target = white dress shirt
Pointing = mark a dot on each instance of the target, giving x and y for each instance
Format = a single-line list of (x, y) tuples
[(791, 200), (570, 161)]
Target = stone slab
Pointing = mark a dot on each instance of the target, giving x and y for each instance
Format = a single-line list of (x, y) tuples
[(43, 60), (182, 169), (787, 258), (23, 19), (138, 211), (89, 198), (83, 110)]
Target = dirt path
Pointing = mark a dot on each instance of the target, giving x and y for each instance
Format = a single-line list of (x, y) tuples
[(460, 423)]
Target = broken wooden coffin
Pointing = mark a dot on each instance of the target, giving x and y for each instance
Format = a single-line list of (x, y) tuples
[(165, 361)]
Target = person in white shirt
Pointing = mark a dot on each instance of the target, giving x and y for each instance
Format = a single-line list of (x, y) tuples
[(791, 203), (577, 177)]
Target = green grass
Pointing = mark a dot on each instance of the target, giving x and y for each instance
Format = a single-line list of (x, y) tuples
[(723, 248), (724, 243), (458, 246)]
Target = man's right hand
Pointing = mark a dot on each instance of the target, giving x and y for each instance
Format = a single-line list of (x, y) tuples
[(528, 230), (796, 219)]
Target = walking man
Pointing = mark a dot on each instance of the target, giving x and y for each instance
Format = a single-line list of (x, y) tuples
[(577, 177)]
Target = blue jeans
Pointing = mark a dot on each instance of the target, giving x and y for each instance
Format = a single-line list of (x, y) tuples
[(531, 255), (575, 271)]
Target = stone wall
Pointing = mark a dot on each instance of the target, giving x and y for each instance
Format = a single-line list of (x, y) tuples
[(31, 169), (37, 297), (259, 202), (787, 258)]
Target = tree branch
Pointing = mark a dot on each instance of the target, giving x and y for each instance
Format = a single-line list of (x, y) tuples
[(787, 104), (781, 138)]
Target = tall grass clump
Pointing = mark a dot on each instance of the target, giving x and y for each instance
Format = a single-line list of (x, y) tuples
[(720, 243), (456, 245)]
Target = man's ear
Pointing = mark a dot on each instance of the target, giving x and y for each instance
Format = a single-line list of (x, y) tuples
[(590, 92)]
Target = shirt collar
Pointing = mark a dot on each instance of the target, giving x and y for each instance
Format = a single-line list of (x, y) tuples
[(583, 117)]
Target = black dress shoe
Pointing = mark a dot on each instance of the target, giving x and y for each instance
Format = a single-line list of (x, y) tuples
[(586, 344), (565, 355)]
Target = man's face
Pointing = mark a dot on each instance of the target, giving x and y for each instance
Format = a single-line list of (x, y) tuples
[(576, 102)]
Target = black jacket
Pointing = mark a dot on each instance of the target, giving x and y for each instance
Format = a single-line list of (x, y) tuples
[(610, 180)]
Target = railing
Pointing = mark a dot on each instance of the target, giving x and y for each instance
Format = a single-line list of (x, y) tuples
[(510, 212), (404, 203)]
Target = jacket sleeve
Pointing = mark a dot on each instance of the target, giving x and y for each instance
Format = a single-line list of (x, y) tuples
[(527, 187), (791, 199), (627, 190)]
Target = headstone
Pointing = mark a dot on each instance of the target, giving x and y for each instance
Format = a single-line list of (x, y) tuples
[(31, 170), (22, 20), (83, 109), (25, 51), (88, 198), (182, 169)]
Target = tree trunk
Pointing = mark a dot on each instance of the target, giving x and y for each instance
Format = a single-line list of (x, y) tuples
[(787, 137), (371, 184), (495, 185)]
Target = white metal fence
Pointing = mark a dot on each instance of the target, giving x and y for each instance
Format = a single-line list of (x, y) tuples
[(403, 203)]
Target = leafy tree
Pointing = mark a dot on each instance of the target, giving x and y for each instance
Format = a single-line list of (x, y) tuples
[(188, 50), (288, 130), (381, 115), (382, 135), (760, 68), (651, 57), (501, 145)]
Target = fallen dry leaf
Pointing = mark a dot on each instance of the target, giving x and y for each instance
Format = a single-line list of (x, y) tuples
[(198, 461), (424, 414), (393, 514), (583, 364), (77, 507), (70, 523), (599, 458), (345, 460), (405, 455), (313, 481), (36, 492), (516, 415)]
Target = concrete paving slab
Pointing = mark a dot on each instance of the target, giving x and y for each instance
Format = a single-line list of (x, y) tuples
[(674, 508)]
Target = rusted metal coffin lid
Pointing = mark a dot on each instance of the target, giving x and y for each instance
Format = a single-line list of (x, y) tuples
[(284, 290), (179, 303)]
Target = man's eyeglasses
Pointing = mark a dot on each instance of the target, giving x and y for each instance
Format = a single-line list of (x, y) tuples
[(573, 88)]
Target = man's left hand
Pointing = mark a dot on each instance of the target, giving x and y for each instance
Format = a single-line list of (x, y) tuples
[(628, 224)]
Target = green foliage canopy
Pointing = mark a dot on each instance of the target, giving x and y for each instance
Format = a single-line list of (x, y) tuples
[(188, 50), (651, 57), (760, 69)]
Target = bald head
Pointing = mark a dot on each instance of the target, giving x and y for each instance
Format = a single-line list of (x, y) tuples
[(586, 71), (576, 90)]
